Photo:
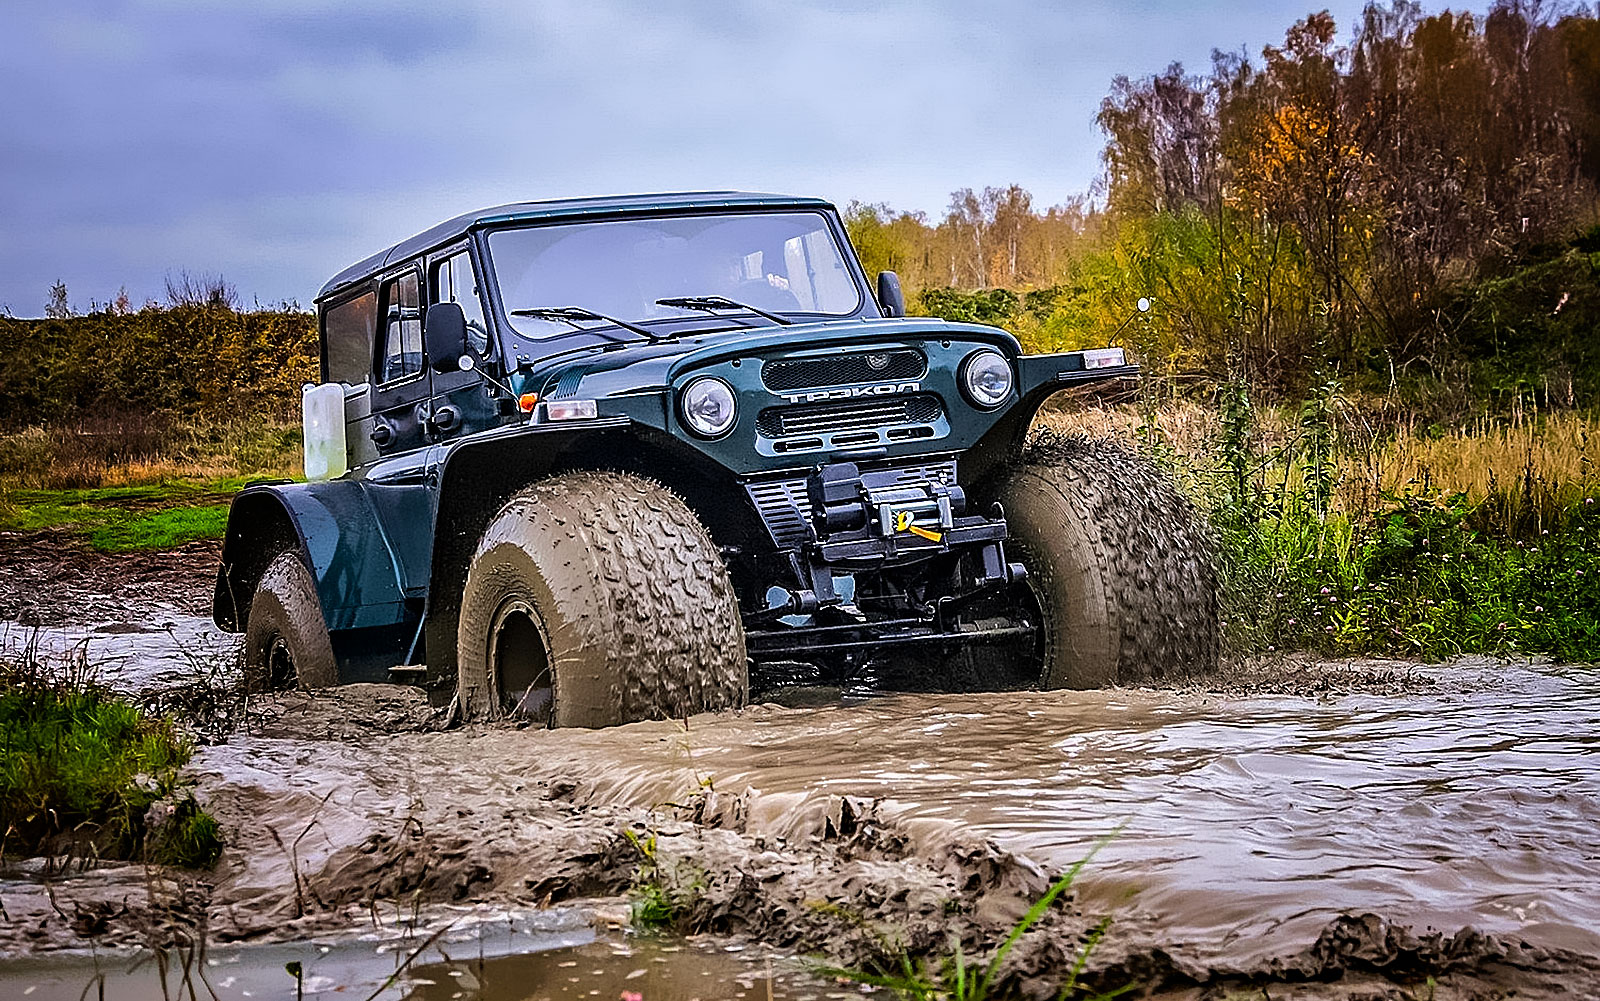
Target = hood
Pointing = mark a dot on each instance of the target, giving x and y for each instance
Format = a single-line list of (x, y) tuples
[(629, 369)]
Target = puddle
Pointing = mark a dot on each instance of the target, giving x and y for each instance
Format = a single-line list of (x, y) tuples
[(1245, 823), (156, 648), (558, 956), (654, 970)]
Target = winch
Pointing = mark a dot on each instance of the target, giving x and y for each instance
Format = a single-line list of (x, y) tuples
[(874, 515), (846, 500)]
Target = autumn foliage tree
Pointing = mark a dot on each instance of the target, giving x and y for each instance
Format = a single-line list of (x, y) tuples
[(1389, 207)]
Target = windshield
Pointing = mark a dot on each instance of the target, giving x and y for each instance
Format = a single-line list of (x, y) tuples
[(780, 262)]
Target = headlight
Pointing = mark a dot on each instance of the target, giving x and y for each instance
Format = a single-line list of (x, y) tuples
[(986, 377), (708, 407)]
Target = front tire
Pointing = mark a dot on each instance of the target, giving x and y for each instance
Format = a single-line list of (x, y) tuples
[(285, 637), (1119, 562), (595, 599)]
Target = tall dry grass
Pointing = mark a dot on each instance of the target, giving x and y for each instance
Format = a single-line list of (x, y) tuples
[(141, 450), (1526, 469)]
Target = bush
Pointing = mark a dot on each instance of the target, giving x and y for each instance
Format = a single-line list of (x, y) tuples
[(85, 772), (187, 360)]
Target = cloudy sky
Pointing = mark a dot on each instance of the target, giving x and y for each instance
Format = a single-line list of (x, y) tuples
[(276, 142)]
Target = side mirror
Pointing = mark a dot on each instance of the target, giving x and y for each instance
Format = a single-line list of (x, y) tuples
[(444, 330), (890, 297)]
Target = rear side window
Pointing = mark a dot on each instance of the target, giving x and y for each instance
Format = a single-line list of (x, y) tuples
[(453, 282), (347, 336), (402, 330)]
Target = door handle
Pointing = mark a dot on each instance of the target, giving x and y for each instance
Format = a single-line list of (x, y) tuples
[(382, 434), (445, 418)]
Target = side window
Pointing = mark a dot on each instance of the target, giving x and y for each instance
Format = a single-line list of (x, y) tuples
[(402, 330), (453, 282), (347, 340)]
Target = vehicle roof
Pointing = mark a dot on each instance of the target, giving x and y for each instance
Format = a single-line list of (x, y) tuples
[(555, 209)]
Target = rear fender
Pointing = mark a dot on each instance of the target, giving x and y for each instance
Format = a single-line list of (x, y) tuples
[(360, 539)]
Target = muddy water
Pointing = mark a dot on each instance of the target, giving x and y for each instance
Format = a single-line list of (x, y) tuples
[(1245, 822), (155, 647), (552, 963)]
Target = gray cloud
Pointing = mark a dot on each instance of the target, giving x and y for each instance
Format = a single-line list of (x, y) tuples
[(277, 145)]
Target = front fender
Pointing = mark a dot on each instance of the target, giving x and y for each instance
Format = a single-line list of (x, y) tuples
[(1039, 377)]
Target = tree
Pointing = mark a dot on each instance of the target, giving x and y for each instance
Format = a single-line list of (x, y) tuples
[(204, 290), (58, 308)]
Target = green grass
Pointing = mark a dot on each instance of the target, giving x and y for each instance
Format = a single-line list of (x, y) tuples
[(161, 529), (85, 772), (1409, 569), (1417, 578), (121, 519), (663, 889)]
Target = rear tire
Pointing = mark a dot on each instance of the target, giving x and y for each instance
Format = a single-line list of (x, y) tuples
[(285, 637), (1120, 563), (595, 599)]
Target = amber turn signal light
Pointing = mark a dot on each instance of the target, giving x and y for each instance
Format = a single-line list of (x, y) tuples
[(527, 401)]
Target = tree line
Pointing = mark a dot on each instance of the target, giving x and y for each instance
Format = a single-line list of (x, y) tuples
[(1415, 207)]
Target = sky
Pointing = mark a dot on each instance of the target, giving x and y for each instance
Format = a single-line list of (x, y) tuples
[(277, 141)]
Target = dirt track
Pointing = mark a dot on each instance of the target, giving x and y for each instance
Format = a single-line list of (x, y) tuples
[(347, 807)]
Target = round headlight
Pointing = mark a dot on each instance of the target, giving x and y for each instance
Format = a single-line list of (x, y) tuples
[(986, 377), (708, 407)]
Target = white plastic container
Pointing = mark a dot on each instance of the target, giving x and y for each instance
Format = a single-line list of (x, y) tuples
[(322, 418)]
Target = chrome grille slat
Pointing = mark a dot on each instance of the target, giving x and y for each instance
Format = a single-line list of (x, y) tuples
[(848, 415)]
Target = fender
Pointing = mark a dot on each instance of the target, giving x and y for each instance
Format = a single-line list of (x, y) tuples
[(366, 543), (1039, 377)]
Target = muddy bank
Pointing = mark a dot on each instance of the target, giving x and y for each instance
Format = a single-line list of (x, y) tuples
[(754, 839), (52, 579)]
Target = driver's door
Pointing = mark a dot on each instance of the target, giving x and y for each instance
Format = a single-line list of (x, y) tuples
[(401, 383)]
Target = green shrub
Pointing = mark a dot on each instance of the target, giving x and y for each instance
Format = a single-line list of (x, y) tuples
[(85, 772)]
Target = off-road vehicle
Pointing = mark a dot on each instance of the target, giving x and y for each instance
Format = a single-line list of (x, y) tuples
[(599, 460)]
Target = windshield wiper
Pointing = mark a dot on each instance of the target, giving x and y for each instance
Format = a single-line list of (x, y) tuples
[(719, 304), (571, 314)]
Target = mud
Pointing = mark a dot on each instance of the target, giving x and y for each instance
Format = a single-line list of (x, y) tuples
[(55, 580), (1293, 829)]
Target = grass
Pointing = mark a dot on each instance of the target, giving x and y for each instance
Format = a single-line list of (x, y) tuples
[(663, 889), (140, 483), (1349, 530), (85, 772), (120, 519)]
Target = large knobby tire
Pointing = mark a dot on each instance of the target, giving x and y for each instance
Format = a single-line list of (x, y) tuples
[(595, 599), (285, 638), (1120, 563)]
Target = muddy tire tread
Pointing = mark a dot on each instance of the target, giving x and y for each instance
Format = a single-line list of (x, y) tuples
[(1151, 551), (645, 623), (285, 603)]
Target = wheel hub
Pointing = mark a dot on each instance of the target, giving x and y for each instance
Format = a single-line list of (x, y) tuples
[(519, 663)]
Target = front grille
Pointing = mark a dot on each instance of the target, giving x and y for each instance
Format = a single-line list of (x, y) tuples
[(786, 507), (843, 370), (851, 415)]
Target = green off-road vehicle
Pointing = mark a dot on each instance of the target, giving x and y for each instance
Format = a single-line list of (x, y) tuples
[(609, 459)]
